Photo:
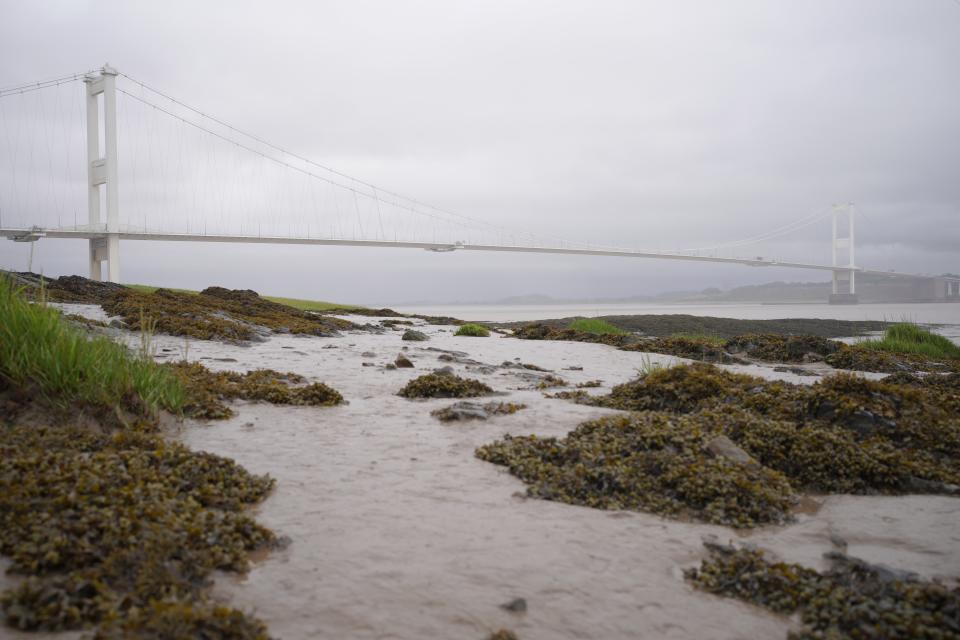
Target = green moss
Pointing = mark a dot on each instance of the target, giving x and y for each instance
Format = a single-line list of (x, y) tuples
[(595, 326), (851, 600), (207, 390), (473, 330), (433, 385)]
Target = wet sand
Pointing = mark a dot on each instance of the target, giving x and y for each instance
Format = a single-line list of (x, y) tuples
[(398, 531)]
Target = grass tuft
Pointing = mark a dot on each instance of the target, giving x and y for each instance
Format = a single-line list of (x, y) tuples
[(595, 326), (906, 337), (473, 330), (39, 350)]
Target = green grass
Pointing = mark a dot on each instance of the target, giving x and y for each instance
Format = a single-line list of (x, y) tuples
[(595, 325), (908, 338), (296, 303), (473, 330), (41, 352), (310, 305), (708, 338)]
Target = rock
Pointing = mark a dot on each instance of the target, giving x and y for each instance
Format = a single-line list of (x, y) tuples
[(368, 354), (812, 357), (445, 357), (329, 346), (800, 371), (416, 336), (461, 411), (117, 323), (921, 485), (865, 423), (390, 366), (403, 362), (723, 447), (367, 364), (573, 368), (444, 371), (517, 605)]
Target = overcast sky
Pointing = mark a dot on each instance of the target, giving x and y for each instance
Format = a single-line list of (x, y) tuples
[(644, 124)]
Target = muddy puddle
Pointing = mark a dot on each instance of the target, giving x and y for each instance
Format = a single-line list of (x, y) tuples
[(398, 531)]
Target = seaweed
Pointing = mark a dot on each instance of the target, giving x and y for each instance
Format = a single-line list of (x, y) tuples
[(734, 449), (771, 347), (852, 599), (111, 523), (218, 314), (433, 385), (646, 461), (207, 390)]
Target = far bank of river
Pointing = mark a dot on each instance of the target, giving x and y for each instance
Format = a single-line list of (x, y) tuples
[(924, 313)]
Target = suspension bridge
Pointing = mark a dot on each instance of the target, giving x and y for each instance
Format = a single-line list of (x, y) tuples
[(188, 176)]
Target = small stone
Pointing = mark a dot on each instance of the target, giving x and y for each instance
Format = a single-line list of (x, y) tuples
[(444, 371), (390, 366), (368, 354), (403, 362), (723, 447), (517, 605), (461, 411), (416, 336)]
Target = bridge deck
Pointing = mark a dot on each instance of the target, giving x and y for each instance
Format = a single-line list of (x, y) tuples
[(35, 234)]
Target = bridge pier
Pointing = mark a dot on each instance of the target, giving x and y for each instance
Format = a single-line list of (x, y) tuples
[(844, 289), (102, 170)]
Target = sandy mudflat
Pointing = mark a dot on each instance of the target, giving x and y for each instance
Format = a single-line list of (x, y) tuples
[(399, 532)]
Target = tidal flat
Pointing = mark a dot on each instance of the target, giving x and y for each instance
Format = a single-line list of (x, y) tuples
[(398, 530), (406, 511)]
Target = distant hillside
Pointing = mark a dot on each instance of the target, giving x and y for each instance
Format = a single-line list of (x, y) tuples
[(870, 289)]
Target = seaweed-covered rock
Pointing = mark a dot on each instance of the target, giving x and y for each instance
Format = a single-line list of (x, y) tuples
[(852, 600), (465, 410), (207, 390), (842, 434), (433, 385), (771, 347), (646, 461), (108, 523), (216, 314)]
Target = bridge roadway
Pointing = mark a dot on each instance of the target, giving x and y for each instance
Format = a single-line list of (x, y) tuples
[(34, 233)]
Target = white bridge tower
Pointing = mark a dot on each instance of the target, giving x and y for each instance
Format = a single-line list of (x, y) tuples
[(844, 279), (101, 92)]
